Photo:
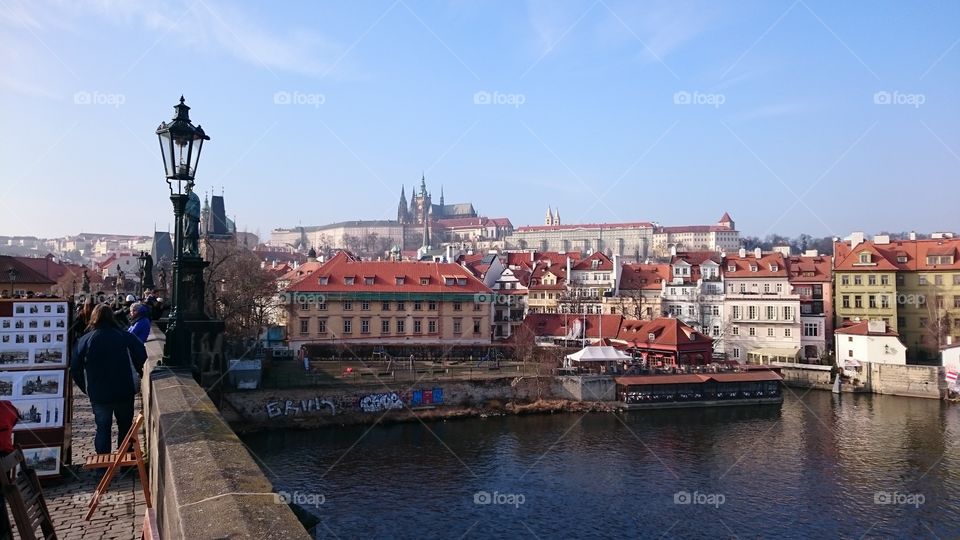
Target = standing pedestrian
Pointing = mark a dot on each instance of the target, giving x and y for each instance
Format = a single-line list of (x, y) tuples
[(139, 321), (106, 365)]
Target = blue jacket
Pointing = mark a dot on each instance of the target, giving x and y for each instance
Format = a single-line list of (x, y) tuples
[(141, 326), (105, 363)]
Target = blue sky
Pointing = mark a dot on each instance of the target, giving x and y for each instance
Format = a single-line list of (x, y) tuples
[(805, 116)]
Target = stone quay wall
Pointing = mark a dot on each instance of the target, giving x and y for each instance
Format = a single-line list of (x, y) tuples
[(203, 482), (897, 380)]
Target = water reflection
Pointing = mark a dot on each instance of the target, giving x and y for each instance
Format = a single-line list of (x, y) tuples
[(820, 466)]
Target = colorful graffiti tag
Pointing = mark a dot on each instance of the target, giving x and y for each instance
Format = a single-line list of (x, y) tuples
[(339, 404), (381, 402), (292, 408)]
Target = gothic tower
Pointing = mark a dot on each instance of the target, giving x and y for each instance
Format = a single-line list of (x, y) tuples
[(402, 213), (549, 219)]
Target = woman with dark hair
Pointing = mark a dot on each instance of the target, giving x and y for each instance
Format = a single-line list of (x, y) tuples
[(107, 364)]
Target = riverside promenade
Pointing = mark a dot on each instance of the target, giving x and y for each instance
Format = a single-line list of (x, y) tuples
[(120, 512)]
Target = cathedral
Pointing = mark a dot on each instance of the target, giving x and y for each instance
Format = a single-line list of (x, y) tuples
[(421, 207)]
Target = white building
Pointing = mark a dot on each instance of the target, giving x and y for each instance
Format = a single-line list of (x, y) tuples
[(695, 293), (761, 312), (869, 341)]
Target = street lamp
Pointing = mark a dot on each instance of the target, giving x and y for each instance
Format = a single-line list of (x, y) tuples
[(180, 146), (141, 265), (12, 275)]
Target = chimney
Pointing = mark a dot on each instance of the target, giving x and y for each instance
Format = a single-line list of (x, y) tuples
[(742, 253), (913, 235), (881, 239), (811, 253), (673, 250), (856, 238), (757, 253), (783, 250), (876, 326), (949, 340)]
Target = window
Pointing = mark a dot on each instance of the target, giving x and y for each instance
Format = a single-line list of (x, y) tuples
[(417, 306), (884, 279), (787, 332), (322, 306), (858, 280), (424, 281), (743, 287), (956, 279), (457, 306), (884, 301), (385, 306), (368, 280), (715, 310), (731, 268), (322, 326), (865, 257), (476, 326), (457, 326), (872, 301), (349, 280), (938, 280), (304, 327), (923, 322), (384, 326), (432, 326), (401, 326), (449, 281), (779, 287), (364, 326), (845, 279), (347, 305), (476, 307), (811, 329), (850, 352), (938, 301), (364, 306), (716, 331), (736, 312), (304, 305), (846, 301), (752, 331), (956, 301), (921, 279), (691, 310), (736, 352), (735, 330), (766, 288), (771, 313), (770, 332), (417, 326), (858, 301), (871, 279), (324, 280), (461, 281), (900, 279), (752, 313), (401, 306), (398, 280), (787, 313), (348, 326), (431, 306)]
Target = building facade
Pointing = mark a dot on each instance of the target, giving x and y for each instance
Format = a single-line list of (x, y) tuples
[(812, 280)]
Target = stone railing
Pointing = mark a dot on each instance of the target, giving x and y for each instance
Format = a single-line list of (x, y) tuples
[(203, 482)]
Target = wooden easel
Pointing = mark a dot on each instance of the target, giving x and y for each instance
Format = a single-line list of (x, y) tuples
[(121, 458)]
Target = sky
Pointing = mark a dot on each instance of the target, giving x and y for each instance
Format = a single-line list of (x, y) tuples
[(795, 116)]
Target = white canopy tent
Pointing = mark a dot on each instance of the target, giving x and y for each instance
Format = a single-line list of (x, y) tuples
[(596, 354)]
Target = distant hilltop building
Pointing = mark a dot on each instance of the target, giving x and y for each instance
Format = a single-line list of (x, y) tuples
[(633, 240), (419, 224)]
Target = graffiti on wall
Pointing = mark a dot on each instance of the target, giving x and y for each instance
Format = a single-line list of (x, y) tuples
[(290, 407), (381, 402)]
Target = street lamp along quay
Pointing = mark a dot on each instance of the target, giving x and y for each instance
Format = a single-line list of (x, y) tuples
[(180, 146), (12, 276)]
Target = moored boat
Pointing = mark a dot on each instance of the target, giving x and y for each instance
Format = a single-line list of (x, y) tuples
[(753, 387)]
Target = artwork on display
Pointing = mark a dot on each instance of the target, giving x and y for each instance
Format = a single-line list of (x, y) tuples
[(7, 383), (50, 356), (41, 384), (45, 461), (38, 413), (14, 357)]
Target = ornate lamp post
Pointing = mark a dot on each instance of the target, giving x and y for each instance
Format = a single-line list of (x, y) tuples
[(180, 146), (12, 275), (141, 265)]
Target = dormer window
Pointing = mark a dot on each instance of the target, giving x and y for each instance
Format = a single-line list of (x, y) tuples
[(651, 336), (773, 267), (901, 259), (424, 281), (449, 281), (731, 268), (462, 281), (368, 280), (594, 264), (865, 257), (398, 280), (349, 280), (324, 280), (753, 268)]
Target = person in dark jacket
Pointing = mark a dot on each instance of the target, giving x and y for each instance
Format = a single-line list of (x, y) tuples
[(139, 321), (106, 366)]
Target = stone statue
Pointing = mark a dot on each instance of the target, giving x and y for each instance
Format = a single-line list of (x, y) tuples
[(191, 223), (147, 278), (163, 278), (85, 286), (121, 279)]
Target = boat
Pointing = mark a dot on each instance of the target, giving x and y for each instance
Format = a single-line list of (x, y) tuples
[(753, 387)]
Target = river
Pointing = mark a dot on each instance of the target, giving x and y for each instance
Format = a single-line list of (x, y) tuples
[(822, 466)]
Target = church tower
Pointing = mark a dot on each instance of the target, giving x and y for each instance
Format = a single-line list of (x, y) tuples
[(556, 217), (549, 219), (402, 213)]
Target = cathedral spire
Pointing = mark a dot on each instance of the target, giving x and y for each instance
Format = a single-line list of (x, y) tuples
[(402, 212), (441, 194), (549, 218)]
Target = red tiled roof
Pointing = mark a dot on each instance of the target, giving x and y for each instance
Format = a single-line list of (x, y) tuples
[(697, 378), (862, 329), (344, 265), (692, 229), (802, 266), (587, 264), (643, 276), (25, 274), (559, 324), (725, 217), (763, 264), (667, 333)]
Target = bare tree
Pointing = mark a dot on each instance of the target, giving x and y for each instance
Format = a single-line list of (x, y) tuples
[(240, 292)]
